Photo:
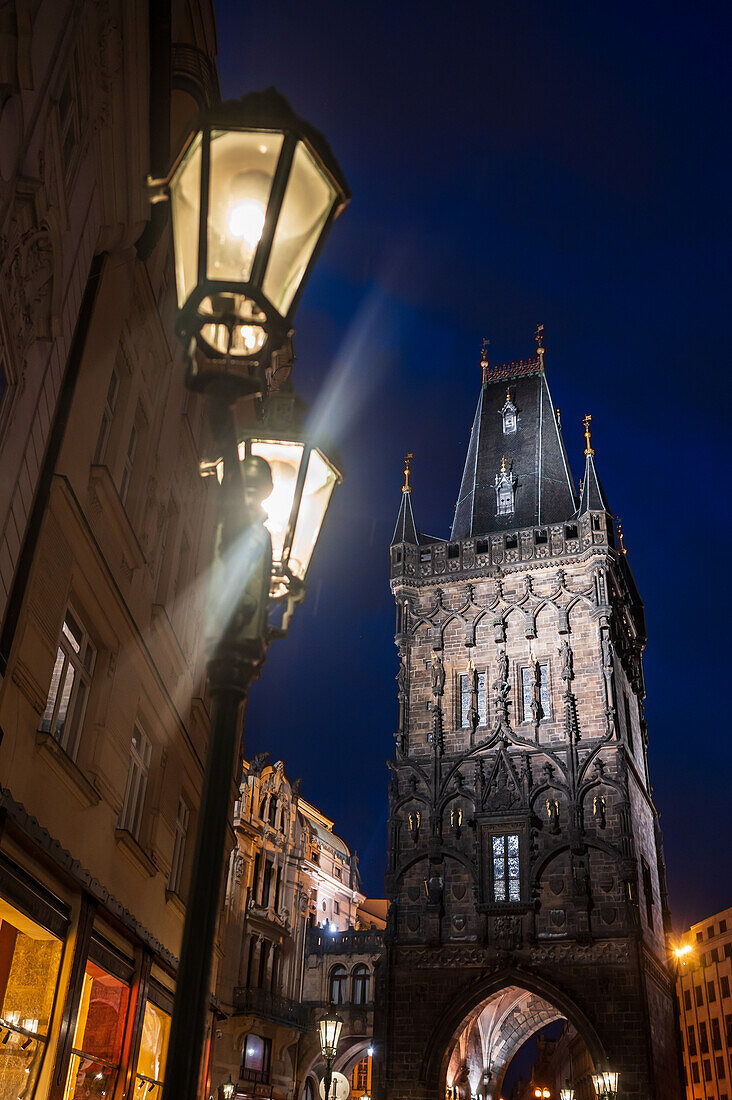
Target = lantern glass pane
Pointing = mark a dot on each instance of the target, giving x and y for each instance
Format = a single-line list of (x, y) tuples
[(320, 481), (309, 196), (185, 204), (284, 460), (243, 165)]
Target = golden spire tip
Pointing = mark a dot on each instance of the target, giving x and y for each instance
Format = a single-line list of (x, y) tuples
[(406, 487), (586, 421)]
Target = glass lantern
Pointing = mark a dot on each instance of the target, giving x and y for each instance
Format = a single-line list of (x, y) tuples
[(566, 1093), (253, 196), (228, 1088), (329, 1028), (606, 1084)]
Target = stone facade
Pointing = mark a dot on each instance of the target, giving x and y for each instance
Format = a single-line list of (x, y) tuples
[(525, 852)]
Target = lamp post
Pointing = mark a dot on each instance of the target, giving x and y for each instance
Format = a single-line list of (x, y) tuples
[(606, 1084), (253, 195), (329, 1031)]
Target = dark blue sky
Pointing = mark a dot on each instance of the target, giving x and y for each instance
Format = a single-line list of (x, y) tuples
[(513, 163)]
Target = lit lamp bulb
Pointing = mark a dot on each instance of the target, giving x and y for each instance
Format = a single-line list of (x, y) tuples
[(246, 220)]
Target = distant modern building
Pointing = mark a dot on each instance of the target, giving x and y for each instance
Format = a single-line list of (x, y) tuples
[(704, 992), (298, 935), (526, 871)]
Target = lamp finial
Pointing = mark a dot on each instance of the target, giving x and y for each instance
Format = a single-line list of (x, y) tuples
[(539, 341), (406, 487), (586, 421)]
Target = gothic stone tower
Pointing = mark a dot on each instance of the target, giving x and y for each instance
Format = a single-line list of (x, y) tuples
[(525, 865)]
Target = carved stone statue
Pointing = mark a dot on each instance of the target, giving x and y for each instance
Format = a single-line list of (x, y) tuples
[(607, 653), (435, 886), (567, 660), (536, 710), (257, 762), (473, 712), (438, 676), (502, 670)]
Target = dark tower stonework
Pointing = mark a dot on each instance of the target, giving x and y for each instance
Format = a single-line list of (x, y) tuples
[(525, 863)]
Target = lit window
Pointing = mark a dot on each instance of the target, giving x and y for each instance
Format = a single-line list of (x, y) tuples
[(97, 1045), (361, 1076), (179, 848), (70, 681), (465, 701), (528, 684), (255, 1058), (105, 428), (361, 985), (153, 1053), (506, 880), (338, 983), (31, 957), (138, 770)]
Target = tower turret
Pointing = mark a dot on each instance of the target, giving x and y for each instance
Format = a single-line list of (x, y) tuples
[(405, 529)]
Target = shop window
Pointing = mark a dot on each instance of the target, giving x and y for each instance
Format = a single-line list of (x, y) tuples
[(97, 1045), (360, 1079), (138, 770), (255, 1058), (506, 870), (29, 964), (150, 1072), (361, 985), (528, 683), (465, 701), (179, 847), (70, 682), (338, 983)]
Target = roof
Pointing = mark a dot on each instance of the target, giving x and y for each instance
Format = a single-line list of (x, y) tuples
[(533, 456), (592, 497), (328, 839), (405, 529)]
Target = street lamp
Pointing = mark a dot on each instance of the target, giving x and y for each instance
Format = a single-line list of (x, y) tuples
[(544, 1094), (329, 1030), (566, 1093), (253, 195), (228, 1089), (605, 1084)]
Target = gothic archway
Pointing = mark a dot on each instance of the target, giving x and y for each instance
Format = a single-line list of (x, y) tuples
[(470, 1051)]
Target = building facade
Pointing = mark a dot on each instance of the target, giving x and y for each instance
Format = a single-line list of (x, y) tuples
[(525, 871), (704, 994), (295, 939), (103, 545)]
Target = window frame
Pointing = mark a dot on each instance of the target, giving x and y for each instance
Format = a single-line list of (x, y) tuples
[(182, 822), (360, 984), (462, 692), (82, 661), (545, 686), (105, 428), (338, 985), (138, 775), (505, 835)]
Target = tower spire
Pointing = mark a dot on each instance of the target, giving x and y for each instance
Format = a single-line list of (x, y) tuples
[(587, 430), (485, 365), (592, 496), (405, 529), (539, 341)]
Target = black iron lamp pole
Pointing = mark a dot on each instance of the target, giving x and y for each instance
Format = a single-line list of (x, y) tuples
[(253, 195)]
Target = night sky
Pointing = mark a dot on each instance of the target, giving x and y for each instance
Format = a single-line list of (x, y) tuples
[(512, 163)]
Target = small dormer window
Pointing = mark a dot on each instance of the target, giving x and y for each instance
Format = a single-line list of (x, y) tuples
[(505, 485), (508, 412)]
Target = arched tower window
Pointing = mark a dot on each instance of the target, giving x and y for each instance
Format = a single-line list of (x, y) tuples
[(505, 485), (508, 412), (338, 984)]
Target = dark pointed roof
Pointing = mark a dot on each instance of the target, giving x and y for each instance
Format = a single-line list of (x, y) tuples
[(534, 454), (405, 529), (592, 498)]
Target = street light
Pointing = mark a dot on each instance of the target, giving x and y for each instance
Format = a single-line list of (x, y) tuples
[(253, 195), (566, 1093), (606, 1084), (329, 1029), (228, 1088)]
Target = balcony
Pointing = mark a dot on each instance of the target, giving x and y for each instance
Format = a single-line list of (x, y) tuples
[(322, 942), (270, 1006)]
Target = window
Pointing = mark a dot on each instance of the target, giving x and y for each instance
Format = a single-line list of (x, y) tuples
[(509, 420), (70, 681), (528, 684), (724, 986), (97, 1045), (129, 462), (336, 907), (153, 1053), (465, 701), (31, 957), (716, 1033), (647, 891), (722, 926), (691, 1039), (698, 995), (255, 1058), (707, 1069), (506, 881), (69, 113), (628, 725), (179, 847), (308, 1093), (272, 814), (338, 980), (699, 937), (695, 1072), (361, 985), (687, 1000), (710, 931), (361, 1076), (703, 1039), (720, 1068), (130, 817), (711, 992), (505, 499), (728, 951), (266, 883), (105, 427)]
